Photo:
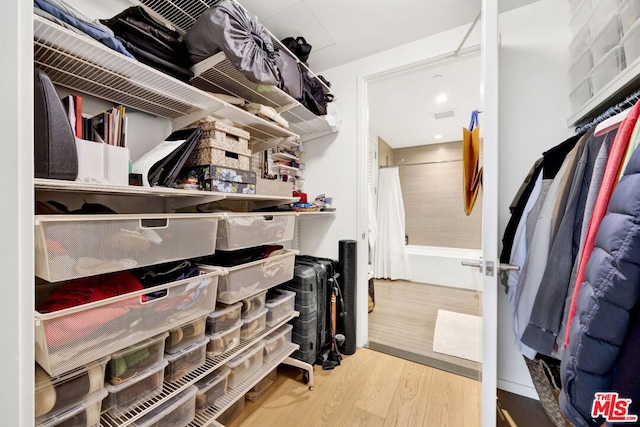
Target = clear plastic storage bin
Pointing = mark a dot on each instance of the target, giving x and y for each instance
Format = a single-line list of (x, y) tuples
[(580, 68), (607, 69), (580, 16), (239, 231), (629, 12), (275, 342), (247, 279), (607, 39), (253, 305), (224, 341), (70, 338), (252, 326), (190, 358), (223, 318), (211, 387), (232, 413), (73, 246), (280, 307), (581, 94), (86, 414), (580, 42), (178, 411), (244, 365), (631, 44), (259, 389), (135, 361), (124, 397), (54, 396), (602, 12), (182, 337)]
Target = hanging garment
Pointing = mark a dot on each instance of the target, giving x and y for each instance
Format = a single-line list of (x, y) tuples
[(538, 253), (592, 194), (606, 298), (546, 314), (471, 170), (389, 257), (520, 242), (609, 181), (626, 381)]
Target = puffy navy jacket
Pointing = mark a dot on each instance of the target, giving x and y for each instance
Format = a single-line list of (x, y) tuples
[(610, 291)]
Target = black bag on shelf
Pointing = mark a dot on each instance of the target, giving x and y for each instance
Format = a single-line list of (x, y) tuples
[(228, 27), (55, 154), (313, 93), (299, 47), (290, 75)]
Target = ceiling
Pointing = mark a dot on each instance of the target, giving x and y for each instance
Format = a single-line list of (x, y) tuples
[(342, 31), (402, 108)]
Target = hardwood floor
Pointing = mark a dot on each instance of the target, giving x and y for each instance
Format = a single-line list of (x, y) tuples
[(404, 319), (370, 389)]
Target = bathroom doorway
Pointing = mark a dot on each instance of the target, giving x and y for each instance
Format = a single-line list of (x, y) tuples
[(426, 304)]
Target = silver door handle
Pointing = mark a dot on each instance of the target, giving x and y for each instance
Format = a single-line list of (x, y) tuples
[(474, 264), (509, 267)]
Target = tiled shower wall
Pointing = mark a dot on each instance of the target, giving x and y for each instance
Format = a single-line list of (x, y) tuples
[(432, 196)]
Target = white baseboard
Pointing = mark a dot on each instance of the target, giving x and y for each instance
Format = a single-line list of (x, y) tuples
[(519, 389)]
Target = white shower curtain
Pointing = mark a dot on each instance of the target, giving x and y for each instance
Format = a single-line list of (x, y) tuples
[(389, 255)]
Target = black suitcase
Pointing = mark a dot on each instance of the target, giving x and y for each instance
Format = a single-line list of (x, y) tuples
[(306, 285)]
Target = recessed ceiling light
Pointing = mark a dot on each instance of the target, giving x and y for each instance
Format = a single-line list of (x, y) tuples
[(441, 98), (437, 136)]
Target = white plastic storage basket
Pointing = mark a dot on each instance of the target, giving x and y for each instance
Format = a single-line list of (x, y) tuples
[(239, 231), (245, 280), (73, 246), (275, 343), (245, 365), (70, 338), (135, 361)]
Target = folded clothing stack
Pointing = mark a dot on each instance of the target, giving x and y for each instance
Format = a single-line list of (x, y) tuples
[(151, 42)]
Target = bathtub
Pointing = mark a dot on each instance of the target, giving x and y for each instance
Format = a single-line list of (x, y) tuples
[(441, 266)]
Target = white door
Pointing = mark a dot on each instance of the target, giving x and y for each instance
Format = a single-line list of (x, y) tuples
[(490, 261)]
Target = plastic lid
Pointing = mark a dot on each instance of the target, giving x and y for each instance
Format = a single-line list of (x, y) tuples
[(605, 27), (631, 32), (580, 85), (44, 380), (614, 51), (262, 312), (575, 62), (240, 359), (284, 296), (221, 309), (63, 416), (226, 331), (192, 347), (140, 345), (117, 388), (212, 379), (166, 408)]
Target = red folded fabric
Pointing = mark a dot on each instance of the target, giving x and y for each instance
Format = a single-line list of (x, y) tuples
[(90, 289), (609, 181)]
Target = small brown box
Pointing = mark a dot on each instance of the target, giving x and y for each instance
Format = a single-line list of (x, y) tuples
[(274, 187)]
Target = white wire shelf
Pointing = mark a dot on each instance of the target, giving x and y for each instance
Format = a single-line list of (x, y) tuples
[(182, 198), (285, 156), (319, 214), (624, 82), (217, 74), (231, 396), (80, 63), (285, 168), (170, 389)]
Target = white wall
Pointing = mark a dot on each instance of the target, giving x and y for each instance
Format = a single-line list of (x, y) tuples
[(534, 105)]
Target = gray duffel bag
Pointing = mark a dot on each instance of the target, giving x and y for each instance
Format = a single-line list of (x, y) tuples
[(228, 27)]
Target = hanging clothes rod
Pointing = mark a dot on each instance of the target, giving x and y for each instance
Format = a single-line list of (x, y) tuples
[(628, 102), (398, 165)]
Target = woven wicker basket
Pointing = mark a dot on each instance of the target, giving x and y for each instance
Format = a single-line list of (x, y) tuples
[(543, 375)]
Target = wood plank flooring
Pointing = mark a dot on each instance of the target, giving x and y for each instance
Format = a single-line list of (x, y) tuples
[(404, 319), (369, 389)]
